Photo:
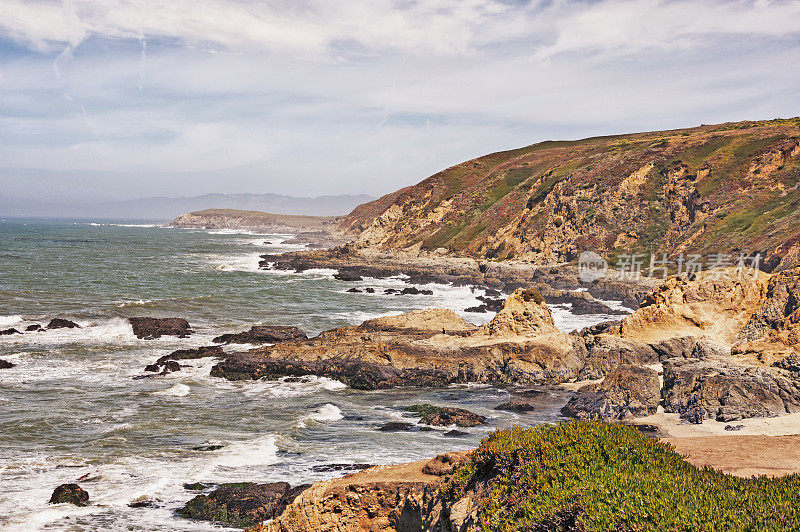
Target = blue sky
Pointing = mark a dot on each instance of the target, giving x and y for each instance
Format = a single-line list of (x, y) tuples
[(118, 99)]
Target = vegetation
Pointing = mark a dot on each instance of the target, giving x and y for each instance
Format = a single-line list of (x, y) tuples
[(593, 476)]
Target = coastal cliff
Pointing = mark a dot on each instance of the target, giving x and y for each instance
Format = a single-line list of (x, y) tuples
[(713, 188)]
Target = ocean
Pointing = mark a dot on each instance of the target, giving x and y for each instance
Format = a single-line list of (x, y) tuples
[(71, 410)]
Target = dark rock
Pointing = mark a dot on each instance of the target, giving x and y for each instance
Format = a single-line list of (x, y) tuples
[(627, 392), (242, 504), (369, 290), (444, 416), (583, 306), (790, 363), (152, 367), (397, 426), (694, 414), (190, 354), (71, 494), (455, 434), (197, 486), (599, 328), (150, 328), (354, 291), (733, 427), (353, 372), (391, 291), (34, 327), (5, 364), (414, 291), (207, 448), (515, 405), (6, 332), (348, 276), (59, 323), (725, 391), (647, 429), (171, 365), (327, 468), (143, 503), (263, 334)]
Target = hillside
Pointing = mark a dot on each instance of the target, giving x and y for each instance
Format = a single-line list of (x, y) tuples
[(713, 188), (256, 220)]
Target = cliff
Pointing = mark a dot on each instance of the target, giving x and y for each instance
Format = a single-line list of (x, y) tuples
[(713, 188), (252, 220)]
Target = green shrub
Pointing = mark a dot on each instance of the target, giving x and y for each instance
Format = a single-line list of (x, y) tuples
[(610, 477)]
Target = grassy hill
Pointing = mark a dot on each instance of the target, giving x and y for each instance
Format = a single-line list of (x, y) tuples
[(713, 188)]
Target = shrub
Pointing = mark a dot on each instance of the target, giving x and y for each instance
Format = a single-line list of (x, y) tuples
[(610, 477)]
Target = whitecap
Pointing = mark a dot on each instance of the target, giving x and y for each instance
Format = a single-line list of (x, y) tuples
[(260, 451), (326, 412), (179, 390), (9, 321)]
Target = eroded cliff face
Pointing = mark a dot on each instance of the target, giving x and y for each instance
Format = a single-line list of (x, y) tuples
[(713, 188)]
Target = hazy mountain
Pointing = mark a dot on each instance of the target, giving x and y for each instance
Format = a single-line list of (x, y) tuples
[(161, 208)]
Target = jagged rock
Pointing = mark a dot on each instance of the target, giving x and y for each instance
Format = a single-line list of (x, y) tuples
[(348, 276), (730, 428), (7, 332), (444, 416), (524, 312), (5, 364), (397, 426), (189, 354), (326, 468), (369, 290), (34, 327), (515, 405), (626, 392), (455, 434), (150, 328), (70, 494), (207, 448), (590, 306), (414, 291), (60, 323), (608, 352), (726, 391), (781, 301), (243, 504), (263, 334)]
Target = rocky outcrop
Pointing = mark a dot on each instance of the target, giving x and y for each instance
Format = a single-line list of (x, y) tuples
[(70, 494), (444, 416), (626, 392), (151, 328), (605, 353), (252, 220), (515, 405), (430, 347), (263, 334), (60, 323), (190, 354), (5, 364), (727, 391), (243, 504), (9, 332)]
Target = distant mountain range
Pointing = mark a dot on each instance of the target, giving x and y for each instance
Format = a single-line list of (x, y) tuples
[(165, 209)]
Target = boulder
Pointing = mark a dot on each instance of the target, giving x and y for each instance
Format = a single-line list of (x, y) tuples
[(263, 334), (348, 276), (583, 306), (397, 426), (189, 354), (627, 392), (242, 504), (5, 364), (697, 388), (151, 328), (524, 313), (608, 352), (34, 327), (446, 464), (60, 323), (7, 332), (354, 291), (70, 494), (414, 291), (444, 416), (515, 405)]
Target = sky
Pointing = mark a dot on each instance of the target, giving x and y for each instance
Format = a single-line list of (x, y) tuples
[(117, 99)]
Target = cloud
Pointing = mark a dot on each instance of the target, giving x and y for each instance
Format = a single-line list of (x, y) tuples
[(356, 96)]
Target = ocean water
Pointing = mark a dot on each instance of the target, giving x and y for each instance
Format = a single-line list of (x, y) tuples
[(71, 411)]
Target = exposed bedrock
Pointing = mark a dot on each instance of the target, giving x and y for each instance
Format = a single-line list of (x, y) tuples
[(626, 392), (263, 334), (151, 328)]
